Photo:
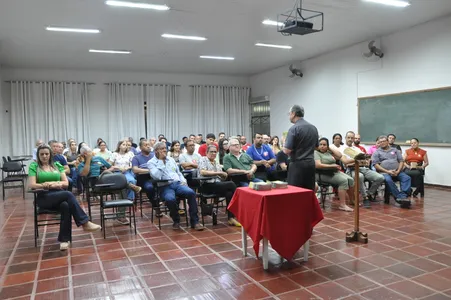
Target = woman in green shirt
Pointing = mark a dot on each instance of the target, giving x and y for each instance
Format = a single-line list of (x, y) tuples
[(50, 176), (325, 163)]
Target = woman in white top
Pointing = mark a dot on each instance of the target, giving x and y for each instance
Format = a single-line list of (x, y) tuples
[(121, 160)]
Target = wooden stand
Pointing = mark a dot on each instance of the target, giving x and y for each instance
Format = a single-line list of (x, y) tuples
[(356, 235)]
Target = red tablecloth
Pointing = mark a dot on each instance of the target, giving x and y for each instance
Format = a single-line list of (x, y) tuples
[(285, 217)]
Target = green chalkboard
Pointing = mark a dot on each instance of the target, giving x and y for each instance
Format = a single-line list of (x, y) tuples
[(425, 115)]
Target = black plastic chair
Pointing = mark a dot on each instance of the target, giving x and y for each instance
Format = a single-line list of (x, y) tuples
[(12, 173), (53, 217), (208, 209), (157, 184), (110, 184), (324, 187)]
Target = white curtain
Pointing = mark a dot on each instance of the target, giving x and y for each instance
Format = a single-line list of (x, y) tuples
[(125, 112), (48, 110), (162, 111), (221, 108)]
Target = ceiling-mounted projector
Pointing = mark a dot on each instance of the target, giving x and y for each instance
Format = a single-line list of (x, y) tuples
[(300, 21)]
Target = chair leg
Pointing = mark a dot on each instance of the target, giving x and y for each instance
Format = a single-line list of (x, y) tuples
[(134, 221), (141, 203), (185, 204), (386, 195)]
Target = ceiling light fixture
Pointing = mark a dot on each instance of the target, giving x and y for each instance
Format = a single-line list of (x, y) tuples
[(273, 46), (397, 3), (110, 51), (78, 30), (272, 23), (217, 57), (183, 37), (137, 5)]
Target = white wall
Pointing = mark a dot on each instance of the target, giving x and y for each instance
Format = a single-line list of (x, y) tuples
[(416, 58), (3, 121), (99, 94)]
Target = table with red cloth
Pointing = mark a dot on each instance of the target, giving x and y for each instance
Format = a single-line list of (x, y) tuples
[(284, 217)]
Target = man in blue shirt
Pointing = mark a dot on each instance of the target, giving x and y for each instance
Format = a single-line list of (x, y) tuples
[(262, 154), (139, 167), (163, 167)]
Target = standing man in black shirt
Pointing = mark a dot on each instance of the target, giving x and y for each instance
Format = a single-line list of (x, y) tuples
[(301, 141)]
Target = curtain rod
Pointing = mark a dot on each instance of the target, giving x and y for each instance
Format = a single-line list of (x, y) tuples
[(209, 85), (150, 84), (31, 81)]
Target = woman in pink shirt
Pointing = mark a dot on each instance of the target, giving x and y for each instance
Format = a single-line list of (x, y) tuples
[(373, 148)]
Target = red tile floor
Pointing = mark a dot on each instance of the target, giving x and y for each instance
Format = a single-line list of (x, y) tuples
[(408, 257)]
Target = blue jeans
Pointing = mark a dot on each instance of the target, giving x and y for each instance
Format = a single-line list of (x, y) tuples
[(130, 193), (246, 184), (404, 179), (148, 189), (67, 205), (176, 189)]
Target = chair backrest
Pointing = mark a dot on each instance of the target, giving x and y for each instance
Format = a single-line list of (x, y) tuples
[(9, 158), (118, 179), (4, 159), (12, 166)]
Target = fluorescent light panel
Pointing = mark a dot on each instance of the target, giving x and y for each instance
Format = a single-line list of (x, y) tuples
[(183, 37), (396, 3), (78, 30), (273, 46), (137, 5), (217, 57), (110, 51), (272, 23)]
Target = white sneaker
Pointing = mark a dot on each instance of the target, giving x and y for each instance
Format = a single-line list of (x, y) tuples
[(64, 246), (91, 227)]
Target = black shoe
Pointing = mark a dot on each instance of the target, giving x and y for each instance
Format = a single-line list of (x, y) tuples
[(372, 198), (176, 226), (366, 203)]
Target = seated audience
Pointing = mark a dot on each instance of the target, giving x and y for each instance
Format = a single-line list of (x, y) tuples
[(240, 163), (50, 176), (365, 173), (192, 137), (163, 167), (325, 162), (103, 151), (275, 145), (373, 148), (262, 154), (139, 167), (175, 151), (221, 136), (208, 167), (415, 162), (390, 163), (337, 141), (209, 141), (121, 161), (266, 139), (189, 160), (223, 150), (37, 144), (244, 144), (357, 143), (282, 161), (71, 158), (69, 141), (391, 141), (57, 149)]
